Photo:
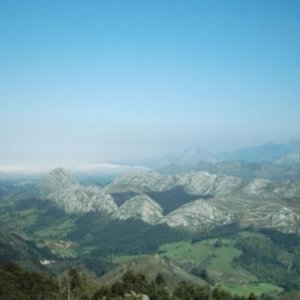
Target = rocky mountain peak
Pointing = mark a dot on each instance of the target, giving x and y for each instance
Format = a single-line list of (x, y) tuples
[(60, 179), (140, 207), (64, 190), (141, 182)]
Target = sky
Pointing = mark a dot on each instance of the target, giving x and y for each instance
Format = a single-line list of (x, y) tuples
[(98, 81)]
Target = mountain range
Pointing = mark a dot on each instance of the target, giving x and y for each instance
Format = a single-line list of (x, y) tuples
[(281, 154), (204, 200)]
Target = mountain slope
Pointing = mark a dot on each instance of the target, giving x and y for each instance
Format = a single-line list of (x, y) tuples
[(151, 266), (14, 248), (141, 182), (140, 207), (204, 183), (196, 183), (197, 216)]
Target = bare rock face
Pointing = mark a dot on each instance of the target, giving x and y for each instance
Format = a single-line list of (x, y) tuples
[(73, 197), (285, 219), (257, 188), (267, 189), (140, 207), (204, 184), (197, 216), (287, 190), (141, 182), (196, 183), (226, 185)]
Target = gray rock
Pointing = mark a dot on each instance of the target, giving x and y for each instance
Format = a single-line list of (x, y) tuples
[(140, 207), (73, 197), (197, 216)]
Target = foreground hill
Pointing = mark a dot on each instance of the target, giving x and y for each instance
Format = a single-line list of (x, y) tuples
[(19, 284), (14, 248), (152, 266)]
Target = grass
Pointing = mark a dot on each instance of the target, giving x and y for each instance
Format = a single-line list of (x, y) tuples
[(60, 230), (294, 295), (18, 221), (5, 217), (185, 250), (224, 257), (218, 261), (121, 259), (64, 252), (27, 212), (257, 288), (204, 253), (87, 249)]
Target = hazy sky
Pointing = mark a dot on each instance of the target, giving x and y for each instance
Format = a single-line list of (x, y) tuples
[(85, 81)]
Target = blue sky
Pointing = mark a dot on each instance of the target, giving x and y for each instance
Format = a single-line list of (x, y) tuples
[(86, 81)]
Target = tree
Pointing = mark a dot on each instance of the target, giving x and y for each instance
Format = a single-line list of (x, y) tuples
[(252, 296), (188, 291), (69, 283), (159, 279)]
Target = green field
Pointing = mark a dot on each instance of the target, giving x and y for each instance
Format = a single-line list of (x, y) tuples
[(185, 250), (217, 256), (257, 288), (17, 221), (205, 254), (121, 259), (59, 230)]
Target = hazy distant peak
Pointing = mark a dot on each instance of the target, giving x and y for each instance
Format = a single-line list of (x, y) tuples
[(187, 156), (267, 152), (289, 159)]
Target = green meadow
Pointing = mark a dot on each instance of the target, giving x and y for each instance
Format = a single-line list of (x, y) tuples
[(217, 257)]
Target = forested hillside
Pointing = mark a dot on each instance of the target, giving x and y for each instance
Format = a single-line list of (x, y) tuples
[(19, 284)]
